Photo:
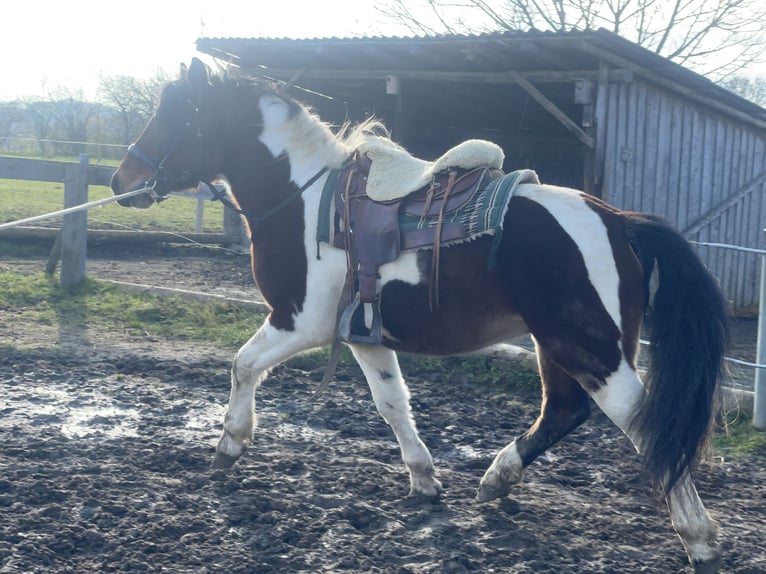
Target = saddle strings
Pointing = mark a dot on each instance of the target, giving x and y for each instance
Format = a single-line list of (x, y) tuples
[(433, 292)]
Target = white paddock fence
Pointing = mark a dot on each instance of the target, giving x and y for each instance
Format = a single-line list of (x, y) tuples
[(759, 383), (74, 235)]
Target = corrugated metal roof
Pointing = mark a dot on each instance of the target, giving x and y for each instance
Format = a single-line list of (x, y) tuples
[(531, 51)]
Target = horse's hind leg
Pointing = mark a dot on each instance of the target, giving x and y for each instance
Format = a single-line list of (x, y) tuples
[(619, 398), (694, 526), (565, 405), (392, 398)]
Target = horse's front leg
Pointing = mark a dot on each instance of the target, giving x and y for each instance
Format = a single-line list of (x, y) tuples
[(392, 398), (266, 349)]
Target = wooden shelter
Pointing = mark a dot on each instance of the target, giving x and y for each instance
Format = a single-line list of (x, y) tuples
[(589, 110)]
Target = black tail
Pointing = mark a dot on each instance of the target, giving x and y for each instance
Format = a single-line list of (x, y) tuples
[(689, 335)]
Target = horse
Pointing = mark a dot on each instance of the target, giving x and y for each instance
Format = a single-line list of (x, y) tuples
[(577, 274)]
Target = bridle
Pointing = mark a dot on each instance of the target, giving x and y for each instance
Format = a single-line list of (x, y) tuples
[(159, 181)]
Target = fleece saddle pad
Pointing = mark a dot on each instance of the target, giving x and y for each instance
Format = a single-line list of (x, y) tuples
[(395, 173)]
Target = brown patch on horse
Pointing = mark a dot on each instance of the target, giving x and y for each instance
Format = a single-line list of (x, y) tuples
[(278, 259), (413, 327), (549, 282)]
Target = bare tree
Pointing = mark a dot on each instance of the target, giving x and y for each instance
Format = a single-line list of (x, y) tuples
[(133, 100), (754, 89), (71, 115), (39, 116), (715, 37), (11, 121)]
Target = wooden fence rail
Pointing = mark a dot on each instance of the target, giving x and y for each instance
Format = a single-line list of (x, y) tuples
[(71, 241)]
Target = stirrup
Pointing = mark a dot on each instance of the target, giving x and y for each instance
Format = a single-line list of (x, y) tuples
[(375, 336)]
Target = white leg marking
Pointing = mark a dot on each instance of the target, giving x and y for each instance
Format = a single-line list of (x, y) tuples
[(506, 470), (619, 399), (392, 398), (266, 349), (693, 524)]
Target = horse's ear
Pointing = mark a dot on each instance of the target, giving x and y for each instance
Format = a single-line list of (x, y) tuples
[(184, 72), (198, 78)]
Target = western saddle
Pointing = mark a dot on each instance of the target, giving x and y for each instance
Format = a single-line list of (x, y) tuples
[(369, 229)]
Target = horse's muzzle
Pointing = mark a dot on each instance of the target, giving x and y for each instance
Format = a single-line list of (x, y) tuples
[(140, 201)]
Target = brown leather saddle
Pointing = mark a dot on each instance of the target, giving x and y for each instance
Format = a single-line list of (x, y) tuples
[(370, 233)]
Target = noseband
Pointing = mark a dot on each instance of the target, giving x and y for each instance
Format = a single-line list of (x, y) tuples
[(159, 181)]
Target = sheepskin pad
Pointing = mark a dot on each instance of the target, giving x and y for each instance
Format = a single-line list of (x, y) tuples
[(395, 173)]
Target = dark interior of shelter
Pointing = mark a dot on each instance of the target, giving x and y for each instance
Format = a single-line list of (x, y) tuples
[(428, 117)]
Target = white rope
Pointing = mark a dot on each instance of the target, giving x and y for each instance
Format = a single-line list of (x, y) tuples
[(81, 207), (729, 359)]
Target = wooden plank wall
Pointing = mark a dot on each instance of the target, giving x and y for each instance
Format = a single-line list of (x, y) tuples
[(667, 155)]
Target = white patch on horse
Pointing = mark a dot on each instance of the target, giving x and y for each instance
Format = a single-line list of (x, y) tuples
[(324, 276), (275, 112), (308, 142), (588, 231), (403, 268), (310, 146), (620, 397)]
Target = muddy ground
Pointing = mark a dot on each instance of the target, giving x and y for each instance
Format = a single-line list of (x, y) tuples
[(105, 441)]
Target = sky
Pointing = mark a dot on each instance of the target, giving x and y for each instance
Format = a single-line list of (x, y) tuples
[(45, 44), (50, 44)]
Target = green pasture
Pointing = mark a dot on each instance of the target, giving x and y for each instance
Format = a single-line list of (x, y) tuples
[(20, 199)]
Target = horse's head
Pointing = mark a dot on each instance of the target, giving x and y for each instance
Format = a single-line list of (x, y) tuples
[(179, 147)]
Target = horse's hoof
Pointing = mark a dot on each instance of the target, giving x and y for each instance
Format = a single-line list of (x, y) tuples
[(488, 492), (420, 496), (223, 461), (426, 492), (712, 566)]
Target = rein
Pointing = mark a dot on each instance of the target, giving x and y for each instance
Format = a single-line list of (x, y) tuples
[(253, 220)]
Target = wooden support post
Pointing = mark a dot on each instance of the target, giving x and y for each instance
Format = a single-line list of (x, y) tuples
[(552, 108), (602, 95), (74, 228), (55, 255)]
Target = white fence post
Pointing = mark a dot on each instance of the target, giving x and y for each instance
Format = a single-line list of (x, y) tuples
[(759, 401), (74, 227)]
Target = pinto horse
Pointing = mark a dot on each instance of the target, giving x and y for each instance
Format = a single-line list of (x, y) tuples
[(569, 269)]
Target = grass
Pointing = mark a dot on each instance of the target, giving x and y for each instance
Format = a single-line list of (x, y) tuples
[(41, 299), (740, 439), (20, 199)]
